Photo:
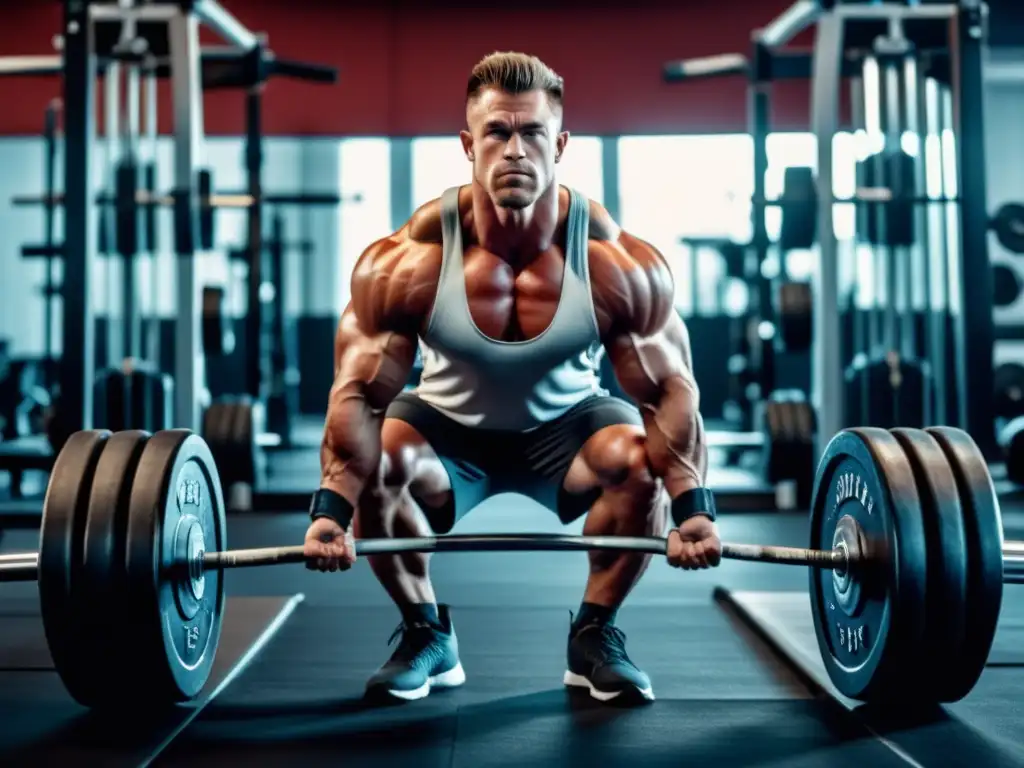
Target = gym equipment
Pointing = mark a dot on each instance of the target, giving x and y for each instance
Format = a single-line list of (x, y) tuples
[(789, 431), (907, 563), (914, 71), (231, 429), (1006, 286), (134, 396), (1011, 441), (885, 391), (24, 396), (1008, 224), (799, 204), (794, 316), (886, 181), (97, 39), (918, 507), (218, 335), (1009, 391)]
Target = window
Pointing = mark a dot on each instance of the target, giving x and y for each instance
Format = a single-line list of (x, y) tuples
[(439, 163), (671, 187), (365, 169)]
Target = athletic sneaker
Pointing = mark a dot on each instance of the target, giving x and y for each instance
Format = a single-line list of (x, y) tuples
[(598, 662), (427, 657)]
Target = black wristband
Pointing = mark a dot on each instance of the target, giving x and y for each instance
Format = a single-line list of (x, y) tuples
[(327, 503), (696, 501)]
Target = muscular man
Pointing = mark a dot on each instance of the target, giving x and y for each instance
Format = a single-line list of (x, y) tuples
[(510, 286)]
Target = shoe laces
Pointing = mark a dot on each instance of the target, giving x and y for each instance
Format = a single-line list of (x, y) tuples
[(416, 640), (606, 643)]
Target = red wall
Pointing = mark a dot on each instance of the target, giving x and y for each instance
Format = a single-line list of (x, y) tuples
[(404, 64)]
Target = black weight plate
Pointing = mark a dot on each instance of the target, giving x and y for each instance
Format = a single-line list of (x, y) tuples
[(891, 389), (945, 533), (60, 554), (984, 527), (1011, 438), (102, 575), (870, 650), (217, 422), (1008, 224), (1009, 390), (1005, 286), (795, 318), (243, 441), (176, 511)]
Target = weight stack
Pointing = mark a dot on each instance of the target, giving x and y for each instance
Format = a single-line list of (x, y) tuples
[(789, 428), (137, 396)]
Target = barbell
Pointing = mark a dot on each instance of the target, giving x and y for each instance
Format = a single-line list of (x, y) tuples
[(906, 563)]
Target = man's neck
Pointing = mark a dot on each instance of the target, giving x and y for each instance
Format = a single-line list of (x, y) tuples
[(515, 234)]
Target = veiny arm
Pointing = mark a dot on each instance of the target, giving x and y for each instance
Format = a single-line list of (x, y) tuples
[(374, 350), (648, 346)]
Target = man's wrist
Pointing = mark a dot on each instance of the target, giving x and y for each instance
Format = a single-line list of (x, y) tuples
[(691, 503), (332, 505)]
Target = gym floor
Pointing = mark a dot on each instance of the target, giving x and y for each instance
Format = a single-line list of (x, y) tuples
[(724, 697)]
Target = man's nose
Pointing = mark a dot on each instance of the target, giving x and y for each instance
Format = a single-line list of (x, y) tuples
[(514, 147)]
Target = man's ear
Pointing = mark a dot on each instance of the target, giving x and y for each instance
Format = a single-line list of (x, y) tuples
[(560, 142), (467, 144)]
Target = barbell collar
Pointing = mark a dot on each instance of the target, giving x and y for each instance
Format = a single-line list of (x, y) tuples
[(22, 566)]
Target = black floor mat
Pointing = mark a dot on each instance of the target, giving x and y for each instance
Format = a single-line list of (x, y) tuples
[(40, 725), (982, 729), (718, 704)]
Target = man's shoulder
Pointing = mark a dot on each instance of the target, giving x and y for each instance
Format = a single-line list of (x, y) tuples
[(424, 226), (610, 243)]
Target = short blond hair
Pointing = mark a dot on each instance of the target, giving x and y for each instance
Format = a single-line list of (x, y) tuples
[(514, 72)]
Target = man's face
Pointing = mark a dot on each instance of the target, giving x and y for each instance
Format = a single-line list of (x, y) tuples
[(513, 142)]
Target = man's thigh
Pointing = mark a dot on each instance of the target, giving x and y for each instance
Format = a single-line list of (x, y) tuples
[(449, 481), (552, 448)]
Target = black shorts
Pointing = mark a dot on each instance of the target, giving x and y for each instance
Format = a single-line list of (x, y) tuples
[(482, 463)]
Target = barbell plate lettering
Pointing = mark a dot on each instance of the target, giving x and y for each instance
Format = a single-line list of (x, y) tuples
[(870, 627), (102, 577), (175, 513), (946, 539), (984, 529), (60, 551)]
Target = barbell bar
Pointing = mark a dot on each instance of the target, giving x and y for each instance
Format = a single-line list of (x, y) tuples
[(23, 566)]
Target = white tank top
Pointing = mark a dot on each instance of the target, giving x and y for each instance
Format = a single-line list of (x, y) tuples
[(510, 385)]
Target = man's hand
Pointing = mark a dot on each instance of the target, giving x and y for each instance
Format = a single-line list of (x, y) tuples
[(694, 544), (328, 547)]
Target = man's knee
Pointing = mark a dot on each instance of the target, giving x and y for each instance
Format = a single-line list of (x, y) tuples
[(617, 458)]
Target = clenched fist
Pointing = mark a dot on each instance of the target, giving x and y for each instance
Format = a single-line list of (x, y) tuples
[(694, 544), (328, 547)]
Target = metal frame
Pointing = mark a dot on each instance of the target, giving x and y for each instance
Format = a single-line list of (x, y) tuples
[(827, 392), (186, 85), (970, 276), (975, 326), (78, 355)]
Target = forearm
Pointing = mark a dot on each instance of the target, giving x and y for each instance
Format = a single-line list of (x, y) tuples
[(676, 444), (351, 447)]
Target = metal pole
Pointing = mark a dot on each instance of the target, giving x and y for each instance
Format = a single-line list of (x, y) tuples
[(975, 331), (255, 341), (827, 392), (77, 368), (186, 85)]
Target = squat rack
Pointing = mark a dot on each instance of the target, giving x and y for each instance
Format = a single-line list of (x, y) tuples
[(171, 31), (963, 24)]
